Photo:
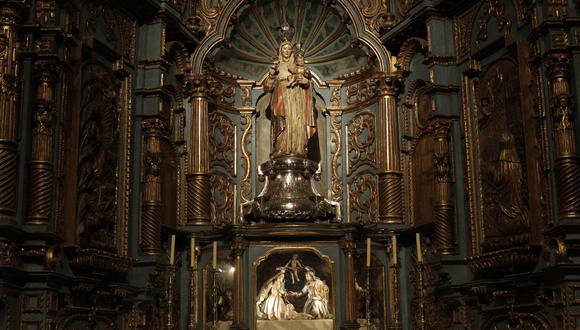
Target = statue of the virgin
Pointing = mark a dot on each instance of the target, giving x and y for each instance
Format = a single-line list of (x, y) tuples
[(293, 119)]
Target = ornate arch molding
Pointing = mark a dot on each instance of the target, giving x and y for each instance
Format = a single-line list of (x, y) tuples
[(409, 48), (180, 56), (225, 17)]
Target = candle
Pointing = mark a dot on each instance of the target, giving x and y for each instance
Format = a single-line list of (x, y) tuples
[(214, 259), (419, 251), (192, 253), (394, 242), (172, 250), (368, 252)]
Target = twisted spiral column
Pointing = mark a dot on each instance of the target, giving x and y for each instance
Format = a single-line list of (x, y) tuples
[(389, 162), (10, 17), (41, 163), (444, 207), (151, 207), (567, 166), (198, 186)]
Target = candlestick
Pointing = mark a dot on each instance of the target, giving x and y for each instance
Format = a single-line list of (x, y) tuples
[(368, 252), (419, 250), (394, 242), (172, 250), (214, 259), (192, 253)]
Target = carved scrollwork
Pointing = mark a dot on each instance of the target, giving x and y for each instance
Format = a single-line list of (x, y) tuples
[(364, 198), (246, 188), (361, 92), (335, 125), (361, 141), (377, 14), (222, 142), (496, 9), (223, 196)]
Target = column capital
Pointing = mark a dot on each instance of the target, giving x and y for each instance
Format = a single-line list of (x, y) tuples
[(441, 127), (153, 126), (558, 64), (387, 83), (198, 84)]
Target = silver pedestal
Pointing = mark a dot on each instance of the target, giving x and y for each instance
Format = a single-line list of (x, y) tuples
[(289, 194)]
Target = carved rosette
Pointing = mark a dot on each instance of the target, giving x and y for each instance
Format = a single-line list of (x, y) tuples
[(10, 16), (41, 165), (444, 208), (388, 158), (198, 179), (151, 207), (566, 161)]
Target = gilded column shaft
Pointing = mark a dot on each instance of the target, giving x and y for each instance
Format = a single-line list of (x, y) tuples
[(238, 306), (41, 164), (9, 21), (389, 162), (151, 221), (198, 186), (444, 208), (567, 166), (350, 289)]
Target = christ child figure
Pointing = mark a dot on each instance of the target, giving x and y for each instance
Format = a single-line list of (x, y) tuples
[(294, 265)]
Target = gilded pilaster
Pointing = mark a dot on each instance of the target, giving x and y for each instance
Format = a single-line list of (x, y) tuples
[(238, 248), (444, 209), (41, 164), (10, 11), (198, 187), (151, 212), (389, 162), (567, 167), (349, 288)]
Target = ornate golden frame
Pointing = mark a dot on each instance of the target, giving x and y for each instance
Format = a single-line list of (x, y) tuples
[(293, 248)]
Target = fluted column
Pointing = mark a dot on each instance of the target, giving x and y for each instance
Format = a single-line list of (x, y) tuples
[(389, 162), (10, 11), (567, 168), (151, 207), (350, 321), (444, 209), (41, 163), (198, 188), (238, 248)]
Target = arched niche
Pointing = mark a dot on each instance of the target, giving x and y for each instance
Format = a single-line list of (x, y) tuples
[(242, 45)]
